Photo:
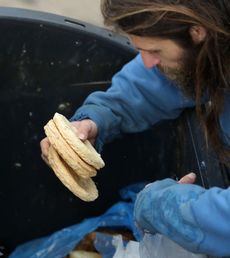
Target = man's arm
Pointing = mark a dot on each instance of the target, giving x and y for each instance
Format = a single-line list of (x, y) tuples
[(137, 99)]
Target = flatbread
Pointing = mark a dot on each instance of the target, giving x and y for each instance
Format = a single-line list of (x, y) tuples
[(83, 148), (85, 189), (84, 254), (67, 153)]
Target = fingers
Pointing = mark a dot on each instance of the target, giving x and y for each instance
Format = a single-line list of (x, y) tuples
[(45, 159), (188, 179), (87, 129), (45, 144)]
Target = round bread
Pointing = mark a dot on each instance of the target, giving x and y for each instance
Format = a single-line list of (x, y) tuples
[(83, 254), (85, 189), (83, 148), (67, 153)]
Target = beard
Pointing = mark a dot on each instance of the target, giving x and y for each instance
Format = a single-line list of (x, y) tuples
[(184, 74)]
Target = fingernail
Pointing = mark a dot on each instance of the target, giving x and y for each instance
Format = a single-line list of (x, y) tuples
[(192, 175), (81, 136)]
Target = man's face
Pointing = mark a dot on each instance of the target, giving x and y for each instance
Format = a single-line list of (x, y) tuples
[(173, 61)]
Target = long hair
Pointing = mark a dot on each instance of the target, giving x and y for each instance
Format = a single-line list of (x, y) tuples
[(173, 19)]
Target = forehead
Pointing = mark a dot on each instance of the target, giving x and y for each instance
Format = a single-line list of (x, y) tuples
[(153, 44)]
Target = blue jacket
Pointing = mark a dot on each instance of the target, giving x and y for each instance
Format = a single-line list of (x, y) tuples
[(137, 99)]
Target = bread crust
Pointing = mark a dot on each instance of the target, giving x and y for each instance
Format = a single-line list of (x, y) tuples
[(83, 188)]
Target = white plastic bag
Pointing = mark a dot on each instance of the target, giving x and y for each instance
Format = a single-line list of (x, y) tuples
[(159, 246), (131, 250)]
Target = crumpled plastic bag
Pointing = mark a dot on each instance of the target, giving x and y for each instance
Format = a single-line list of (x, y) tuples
[(159, 246), (151, 246), (131, 250), (60, 243)]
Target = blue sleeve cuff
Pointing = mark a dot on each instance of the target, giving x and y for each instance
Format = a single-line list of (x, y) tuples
[(164, 207)]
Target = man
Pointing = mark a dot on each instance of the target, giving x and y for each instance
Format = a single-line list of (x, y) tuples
[(184, 62)]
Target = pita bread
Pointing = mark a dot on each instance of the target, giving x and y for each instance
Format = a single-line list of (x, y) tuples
[(67, 153), (84, 149), (85, 189), (84, 254)]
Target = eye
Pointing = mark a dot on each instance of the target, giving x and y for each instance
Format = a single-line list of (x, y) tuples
[(153, 52)]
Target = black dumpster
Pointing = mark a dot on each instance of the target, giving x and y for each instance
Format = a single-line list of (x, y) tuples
[(49, 64)]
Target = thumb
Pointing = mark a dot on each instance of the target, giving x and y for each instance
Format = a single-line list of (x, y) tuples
[(188, 179), (81, 131), (84, 129), (82, 136)]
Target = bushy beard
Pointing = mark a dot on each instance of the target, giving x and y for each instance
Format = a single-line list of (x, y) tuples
[(183, 75)]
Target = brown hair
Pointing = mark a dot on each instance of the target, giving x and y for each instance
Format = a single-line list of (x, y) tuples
[(173, 19)]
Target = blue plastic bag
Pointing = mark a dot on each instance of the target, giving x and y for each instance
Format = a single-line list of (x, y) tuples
[(60, 243)]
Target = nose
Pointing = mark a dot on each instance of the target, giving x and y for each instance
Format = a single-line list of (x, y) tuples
[(149, 60)]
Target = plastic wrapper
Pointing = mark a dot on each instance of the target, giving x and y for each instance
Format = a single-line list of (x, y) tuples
[(159, 246), (131, 250)]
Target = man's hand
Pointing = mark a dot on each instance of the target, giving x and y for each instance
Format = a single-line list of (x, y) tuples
[(45, 144), (87, 130), (188, 179)]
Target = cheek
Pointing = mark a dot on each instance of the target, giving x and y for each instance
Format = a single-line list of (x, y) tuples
[(172, 59), (150, 60)]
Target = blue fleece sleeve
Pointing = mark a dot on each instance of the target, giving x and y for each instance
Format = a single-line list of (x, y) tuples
[(137, 99), (195, 218)]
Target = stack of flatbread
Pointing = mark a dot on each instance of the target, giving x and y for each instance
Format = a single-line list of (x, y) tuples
[(84, 254), (73, 161)]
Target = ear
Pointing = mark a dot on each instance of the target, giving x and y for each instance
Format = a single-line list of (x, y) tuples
[(198, 33)]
